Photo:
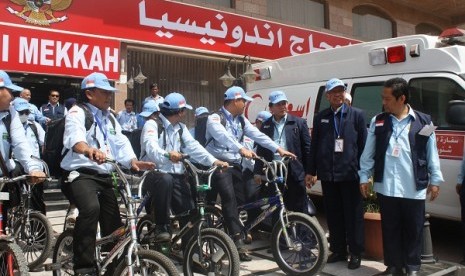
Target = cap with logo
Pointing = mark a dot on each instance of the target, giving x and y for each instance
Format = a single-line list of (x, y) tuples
[(21, 104), (277, 96), (200, 110), (236, 92), (5, 81), (263, 115), (333, 83), (175, 101), (149, 108), (97, 80)]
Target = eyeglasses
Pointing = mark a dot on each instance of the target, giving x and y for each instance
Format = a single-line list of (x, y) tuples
[(55, 96)]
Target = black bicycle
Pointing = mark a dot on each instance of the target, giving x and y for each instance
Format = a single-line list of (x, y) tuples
[(130, 257), (298, 242), (210, 251)]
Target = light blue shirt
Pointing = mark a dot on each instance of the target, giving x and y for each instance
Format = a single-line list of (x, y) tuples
[(248, 163), (279, 135), (462, 172), (225, 144), (19, 143), (35, 143), (153, 148), (128, 121), (158, 99), (398, 178), (36, 115), (115, 146)]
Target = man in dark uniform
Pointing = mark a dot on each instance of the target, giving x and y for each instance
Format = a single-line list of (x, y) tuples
[(338, 138)]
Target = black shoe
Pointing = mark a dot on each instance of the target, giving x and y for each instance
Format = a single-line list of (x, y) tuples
[(413, 273), (85, 272), (354, 261), (336, 257), (392, 271), (160, 234), (244, 257)]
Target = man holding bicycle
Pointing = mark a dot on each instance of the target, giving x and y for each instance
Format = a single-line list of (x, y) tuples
[(224, 142), (88, 178), (166, 147)]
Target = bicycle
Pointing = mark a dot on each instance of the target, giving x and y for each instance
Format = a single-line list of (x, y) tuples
[(31, 229), (210, 251), (298, 242), (12, 260), (130, 257)]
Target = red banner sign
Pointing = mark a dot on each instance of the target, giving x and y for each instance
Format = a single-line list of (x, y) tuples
[(172, 23), (450, 144), (45, 52)]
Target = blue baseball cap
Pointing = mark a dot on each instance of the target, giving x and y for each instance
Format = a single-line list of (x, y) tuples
[(5, 81), (277, 96), (20, 104), (149, 108), (333, 83), (175, 101), (201, 110), (97, 80), (263, 116), (236, 92)]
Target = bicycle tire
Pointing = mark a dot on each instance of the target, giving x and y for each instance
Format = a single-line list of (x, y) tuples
[(144, 224), (160, 264), (311, 245), (63, 253), (20, 264), (38, 240), (223, 242)]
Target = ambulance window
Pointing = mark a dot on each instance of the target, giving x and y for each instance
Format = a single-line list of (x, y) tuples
[(432, 95), (367, 97), (321, 102)]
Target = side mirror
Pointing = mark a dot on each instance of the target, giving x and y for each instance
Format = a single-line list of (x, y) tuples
[(455, 114)]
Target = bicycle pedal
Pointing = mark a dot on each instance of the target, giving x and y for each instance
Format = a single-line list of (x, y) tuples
[(52, 266)]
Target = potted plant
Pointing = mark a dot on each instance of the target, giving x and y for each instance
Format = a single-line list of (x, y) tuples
[(373, 232)]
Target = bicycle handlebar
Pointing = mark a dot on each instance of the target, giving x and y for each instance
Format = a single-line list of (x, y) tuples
[(275, 166)]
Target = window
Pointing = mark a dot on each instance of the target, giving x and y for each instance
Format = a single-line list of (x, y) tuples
[(370, 23), (321, 102), (432, 95), (425, 28), (305, 12), (367, 97)]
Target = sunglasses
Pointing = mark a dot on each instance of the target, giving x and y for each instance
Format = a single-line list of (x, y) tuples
[(55, 96)]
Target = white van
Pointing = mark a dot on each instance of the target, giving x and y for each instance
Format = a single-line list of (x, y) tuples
[(433, 66)]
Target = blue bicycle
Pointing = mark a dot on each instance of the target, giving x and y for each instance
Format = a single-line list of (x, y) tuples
[(298, 242)]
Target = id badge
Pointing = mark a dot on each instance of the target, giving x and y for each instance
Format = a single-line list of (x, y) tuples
[(396, 149), (339, 145)]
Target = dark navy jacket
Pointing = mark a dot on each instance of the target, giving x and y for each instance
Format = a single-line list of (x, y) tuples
[(297, 142), (383, 132), (337, 166), (47, 111)]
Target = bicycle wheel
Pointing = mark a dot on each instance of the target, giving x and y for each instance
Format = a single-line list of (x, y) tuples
[(220, 256), (36, 240), (310, 251), (63, 253), (144, 225), (12, 259), (151, 263)]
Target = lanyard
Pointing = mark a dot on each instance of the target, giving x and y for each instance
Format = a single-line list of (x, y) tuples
[(233, 126), (103, 130), (336, 128), (280, 134), (397, 135)]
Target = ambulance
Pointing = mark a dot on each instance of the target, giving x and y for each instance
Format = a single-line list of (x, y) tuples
[(434, 67)]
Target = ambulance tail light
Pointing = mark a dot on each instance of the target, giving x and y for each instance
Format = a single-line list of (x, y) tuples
[(396, 54)]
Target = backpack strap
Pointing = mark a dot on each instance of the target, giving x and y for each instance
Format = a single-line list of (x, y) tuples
[(160, 129), (183, 145), (35, 131), (222, 121), (7, 121)]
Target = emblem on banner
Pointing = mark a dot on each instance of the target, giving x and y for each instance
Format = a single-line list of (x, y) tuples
[(40, 12)]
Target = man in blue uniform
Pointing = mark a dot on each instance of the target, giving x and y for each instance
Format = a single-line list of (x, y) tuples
[(402, 157), (338, 137), (225, 143), (53, 110), (87, 175)]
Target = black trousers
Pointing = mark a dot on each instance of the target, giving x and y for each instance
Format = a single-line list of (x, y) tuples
[(344, 214), (402, 222), (227, 183), (169, 192), (96, 202)]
